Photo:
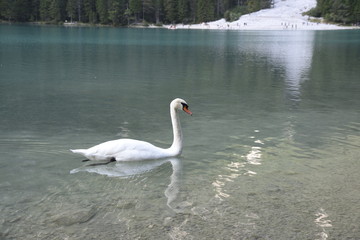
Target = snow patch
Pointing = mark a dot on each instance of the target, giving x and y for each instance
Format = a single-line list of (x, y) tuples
[(286, 15)]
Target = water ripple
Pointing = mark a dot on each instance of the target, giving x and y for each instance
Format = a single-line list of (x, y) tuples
[(323, 222), (237, 167)]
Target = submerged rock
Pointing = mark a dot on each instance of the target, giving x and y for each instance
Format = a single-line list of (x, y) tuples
[(74, 217)]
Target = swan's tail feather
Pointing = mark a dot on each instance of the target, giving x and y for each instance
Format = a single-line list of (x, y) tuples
[(81, 152), (78, 151)]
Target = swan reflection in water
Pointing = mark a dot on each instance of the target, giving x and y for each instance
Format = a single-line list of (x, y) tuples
[(133, 168)]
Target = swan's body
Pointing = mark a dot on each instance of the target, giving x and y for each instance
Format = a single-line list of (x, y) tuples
[(125, 150), (131, 150)]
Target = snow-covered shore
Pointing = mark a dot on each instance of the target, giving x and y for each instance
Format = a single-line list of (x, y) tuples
[(286, 15)]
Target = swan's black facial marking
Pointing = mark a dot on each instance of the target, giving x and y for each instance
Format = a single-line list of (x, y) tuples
[(186, 108)]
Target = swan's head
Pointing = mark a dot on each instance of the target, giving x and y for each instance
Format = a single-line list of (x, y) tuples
[(180, 104)]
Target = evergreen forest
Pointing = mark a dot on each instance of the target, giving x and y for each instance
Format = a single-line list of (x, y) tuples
[(338, 11), (127, 12)]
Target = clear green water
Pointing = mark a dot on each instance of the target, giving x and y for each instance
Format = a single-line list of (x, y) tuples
[(271, 152)]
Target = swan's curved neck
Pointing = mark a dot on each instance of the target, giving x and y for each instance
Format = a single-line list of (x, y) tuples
[(177, 145)]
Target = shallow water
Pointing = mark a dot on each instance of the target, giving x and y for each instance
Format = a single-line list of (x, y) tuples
[(271, 151)]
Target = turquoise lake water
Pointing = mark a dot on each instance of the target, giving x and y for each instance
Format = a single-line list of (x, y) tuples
[(271, 151)]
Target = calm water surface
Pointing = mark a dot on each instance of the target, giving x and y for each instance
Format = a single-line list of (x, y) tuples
[(271, 152)]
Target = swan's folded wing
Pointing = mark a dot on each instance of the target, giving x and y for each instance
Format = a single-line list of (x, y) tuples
[(125, 150)]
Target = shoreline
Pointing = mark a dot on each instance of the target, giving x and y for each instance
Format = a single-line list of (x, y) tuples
[(229, 26), (282, 26)]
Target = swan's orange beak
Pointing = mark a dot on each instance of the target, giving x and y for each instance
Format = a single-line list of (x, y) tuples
[(186, 109)]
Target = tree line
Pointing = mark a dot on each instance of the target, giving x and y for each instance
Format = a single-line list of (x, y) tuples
[(340, 11), (125, 12)]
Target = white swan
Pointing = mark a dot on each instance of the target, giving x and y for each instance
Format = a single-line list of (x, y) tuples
[(131, 150)]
